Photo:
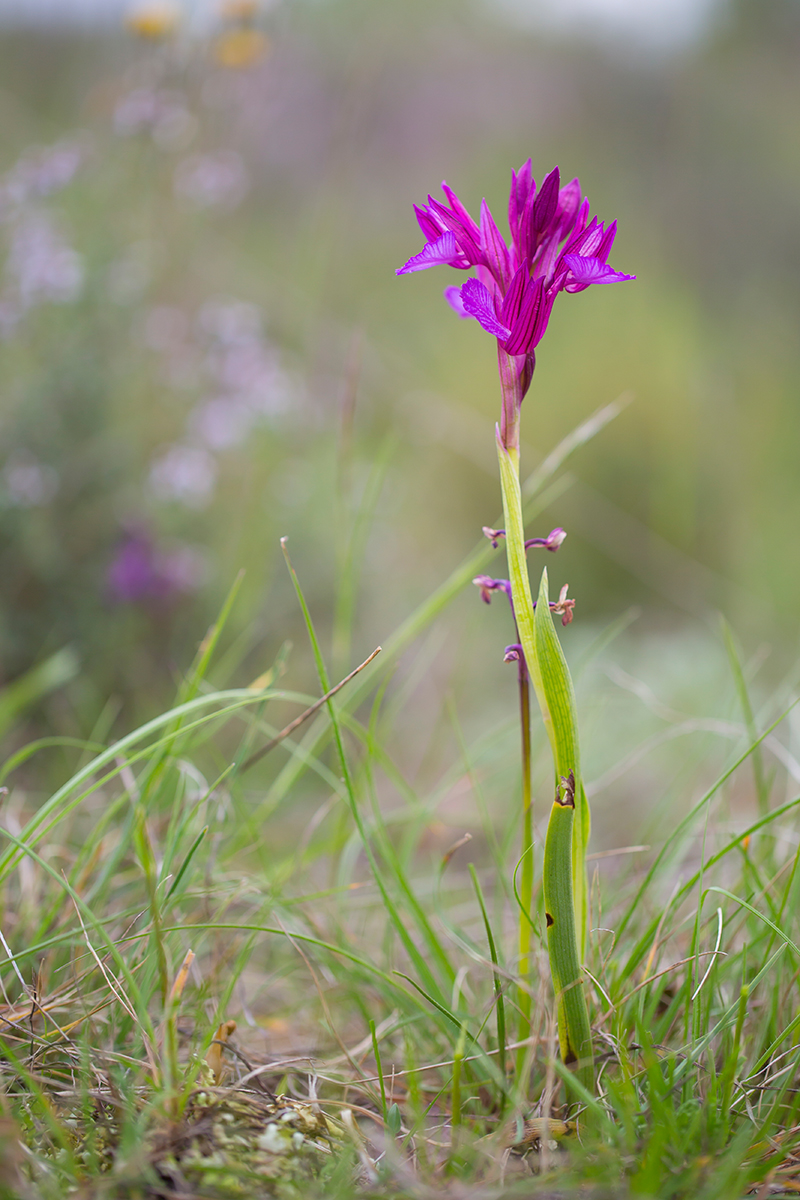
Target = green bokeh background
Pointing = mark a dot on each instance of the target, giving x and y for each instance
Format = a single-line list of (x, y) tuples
[(687, 504)]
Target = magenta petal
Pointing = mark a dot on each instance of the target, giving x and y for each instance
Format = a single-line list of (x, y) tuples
[(435, 254), (494, 249), (589, 241), (430, 229), (461, 212), (591, 270), (453, 297), (543, 314), (544, 208), (512, 302), (607, 241), (521, 183), (578, 227), (569, 201), (478, 303), (466, 232), (520, 340)]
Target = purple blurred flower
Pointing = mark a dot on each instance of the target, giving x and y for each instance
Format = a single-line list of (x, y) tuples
[(554, 248), (142, 573)]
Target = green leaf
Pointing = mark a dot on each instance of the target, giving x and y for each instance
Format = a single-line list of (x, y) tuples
[(562, 727)]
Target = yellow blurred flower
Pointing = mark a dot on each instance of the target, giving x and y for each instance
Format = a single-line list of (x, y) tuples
[(153, 21), (241, 48), (238, 10)]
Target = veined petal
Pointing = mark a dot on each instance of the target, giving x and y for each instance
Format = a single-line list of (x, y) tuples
[(513, 297), (588, 242), (520, 340), (523, 237), (569, 201), (495, 251), (459, 209), (607, 241), (521, 183), (546, 203), (431, 230), (453, 297), (478, 303), (543, 315), (442, 252), (467, 234), (578, 229), (585, 271)]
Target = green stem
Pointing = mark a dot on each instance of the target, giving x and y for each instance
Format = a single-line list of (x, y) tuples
[(565, 864), (526, 880)]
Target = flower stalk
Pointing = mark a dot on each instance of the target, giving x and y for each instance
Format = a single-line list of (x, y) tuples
[(555, 248), (565, 865), (526, 874)]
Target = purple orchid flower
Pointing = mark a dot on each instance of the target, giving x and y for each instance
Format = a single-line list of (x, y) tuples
[(554, 248), (563, 606), (553, 540)]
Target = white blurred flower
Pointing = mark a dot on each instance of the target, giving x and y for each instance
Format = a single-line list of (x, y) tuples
[(276, 392), (241, 368), (28, 483), (230, 321), (41, 171), (42, 263), (217, 180), (225, 349), (161, 113), (222, 423), (186, 474), (137, 111)]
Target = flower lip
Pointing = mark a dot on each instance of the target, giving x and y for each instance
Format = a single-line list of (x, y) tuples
[(478, 303)]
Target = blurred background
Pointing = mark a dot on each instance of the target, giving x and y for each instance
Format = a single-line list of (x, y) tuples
[(204, 346)]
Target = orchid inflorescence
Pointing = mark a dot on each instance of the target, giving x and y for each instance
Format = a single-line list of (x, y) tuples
[(562, 607), (554, 248)]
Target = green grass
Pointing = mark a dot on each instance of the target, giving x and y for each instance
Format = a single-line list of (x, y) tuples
[(394, 984), (347, 889)]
